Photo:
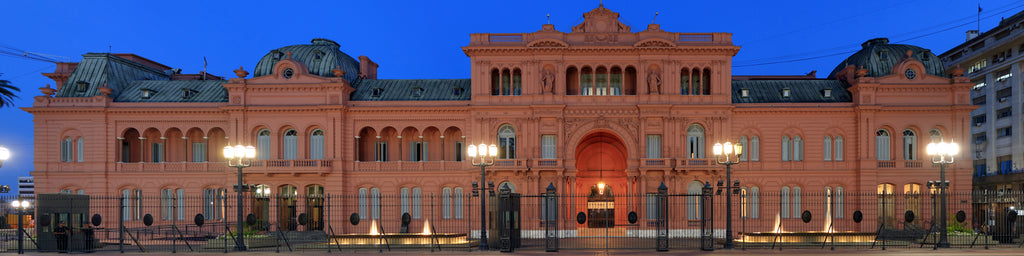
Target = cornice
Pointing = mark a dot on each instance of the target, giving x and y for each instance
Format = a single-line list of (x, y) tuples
[(687, 50)]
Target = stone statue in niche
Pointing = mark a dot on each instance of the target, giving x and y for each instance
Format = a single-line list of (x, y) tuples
[(548, 80), (654, 82)]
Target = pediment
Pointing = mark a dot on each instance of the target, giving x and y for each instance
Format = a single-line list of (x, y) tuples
[(654, 42), (547, 43)]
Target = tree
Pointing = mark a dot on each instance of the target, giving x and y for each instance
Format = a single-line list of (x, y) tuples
[(7, 93)]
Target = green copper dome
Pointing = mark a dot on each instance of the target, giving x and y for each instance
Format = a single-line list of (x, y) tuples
[(878, 57), (320, 57)]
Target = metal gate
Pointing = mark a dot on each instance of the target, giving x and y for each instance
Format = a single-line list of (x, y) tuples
[(657, 221)]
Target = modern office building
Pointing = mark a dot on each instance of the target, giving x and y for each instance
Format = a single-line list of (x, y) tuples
[(26, 188), (993, 61), (601, 106)]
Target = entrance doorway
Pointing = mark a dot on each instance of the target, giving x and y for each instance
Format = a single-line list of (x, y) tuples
[(601, 182), (601, 207)]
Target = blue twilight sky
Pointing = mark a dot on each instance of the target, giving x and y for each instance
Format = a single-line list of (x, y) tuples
[(422, 39)]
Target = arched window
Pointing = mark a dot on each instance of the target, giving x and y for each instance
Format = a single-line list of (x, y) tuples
[(706, 82), (506, 82), (375, 203), (446, 203), (416, 209), (80, 150), (755, 149), (315, 207), (886, 204), (587, 81), (66, 149), (909, 145), (746, 150), (458, 203), (684, 81), (785, 148), (796, 202), (839, 203), (827, 148), (263, 144), (506, 142), (511, 186), (936, 135), (784, 202), (405, 201), (695, 82), (755, 202), (363, 203), (692, 206), (695, 141), (291, 144), (798, 148), (912, 200), (316, 144), (839, 148), (882, 145)]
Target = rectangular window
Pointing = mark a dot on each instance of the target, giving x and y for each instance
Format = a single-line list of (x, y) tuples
[(417, 151), (654, 146), (652, 206), (980, 138), (785, 148), (126, 153), (166, 204), (1004, 112), (416, 209), (839, 148), (405, 201), (199, 152), (158, 152), (65, 150), (263, 147), (458, 151), (979, 120), (381, 152), (1004, 132), (1005, 164), (548, 147), (209, 197), (980, 100), (316, 146)]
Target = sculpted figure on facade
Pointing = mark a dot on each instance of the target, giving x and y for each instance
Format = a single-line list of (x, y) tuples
[(654, 82), (548, 80)]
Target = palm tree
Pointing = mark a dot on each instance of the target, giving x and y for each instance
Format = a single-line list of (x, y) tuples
[(7, 93)]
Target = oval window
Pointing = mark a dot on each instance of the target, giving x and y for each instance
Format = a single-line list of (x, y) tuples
[(288, 73)]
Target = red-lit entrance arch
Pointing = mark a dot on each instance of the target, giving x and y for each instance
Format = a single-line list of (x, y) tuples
[(601, 159)]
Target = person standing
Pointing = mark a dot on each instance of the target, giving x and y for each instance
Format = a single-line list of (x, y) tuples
[(61, 234)]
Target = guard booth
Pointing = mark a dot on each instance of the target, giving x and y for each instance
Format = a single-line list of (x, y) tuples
[(509, 235), (71, 210)]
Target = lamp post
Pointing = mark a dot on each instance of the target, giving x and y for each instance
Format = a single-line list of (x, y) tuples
[(20, 205), (728, 155), (943, 154), (486, 154), (239, 157)]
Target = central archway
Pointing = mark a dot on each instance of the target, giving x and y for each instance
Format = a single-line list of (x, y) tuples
[(601, 176)]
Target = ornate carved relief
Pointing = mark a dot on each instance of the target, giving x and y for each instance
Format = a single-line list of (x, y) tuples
[(547, 43)]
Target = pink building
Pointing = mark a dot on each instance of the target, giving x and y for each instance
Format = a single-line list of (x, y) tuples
[(598, 104)]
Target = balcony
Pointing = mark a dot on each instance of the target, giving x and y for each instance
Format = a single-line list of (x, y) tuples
[(172, 167), (656, 163), (555, 163), (695, 163), (398, 166), (509, 164), (904, 164)]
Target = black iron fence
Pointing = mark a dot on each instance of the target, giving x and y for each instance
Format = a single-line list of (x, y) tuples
[(174, 222)]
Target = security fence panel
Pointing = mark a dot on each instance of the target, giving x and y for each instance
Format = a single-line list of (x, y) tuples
[(287, 219)]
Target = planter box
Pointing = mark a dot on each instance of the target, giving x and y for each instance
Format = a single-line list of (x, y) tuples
[(961, 240)]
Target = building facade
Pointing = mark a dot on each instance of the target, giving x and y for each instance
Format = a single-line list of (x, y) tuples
[(597, 104), (993, 63)]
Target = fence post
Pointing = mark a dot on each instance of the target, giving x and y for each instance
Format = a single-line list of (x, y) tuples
[(551, 219), (707, 208), (120, 224), (662, 218), (505, 218)]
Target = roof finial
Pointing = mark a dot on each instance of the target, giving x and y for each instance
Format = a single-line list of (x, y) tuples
[(549, 18), (288, 54), (655, 17), (910, 53), (600, 3)]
